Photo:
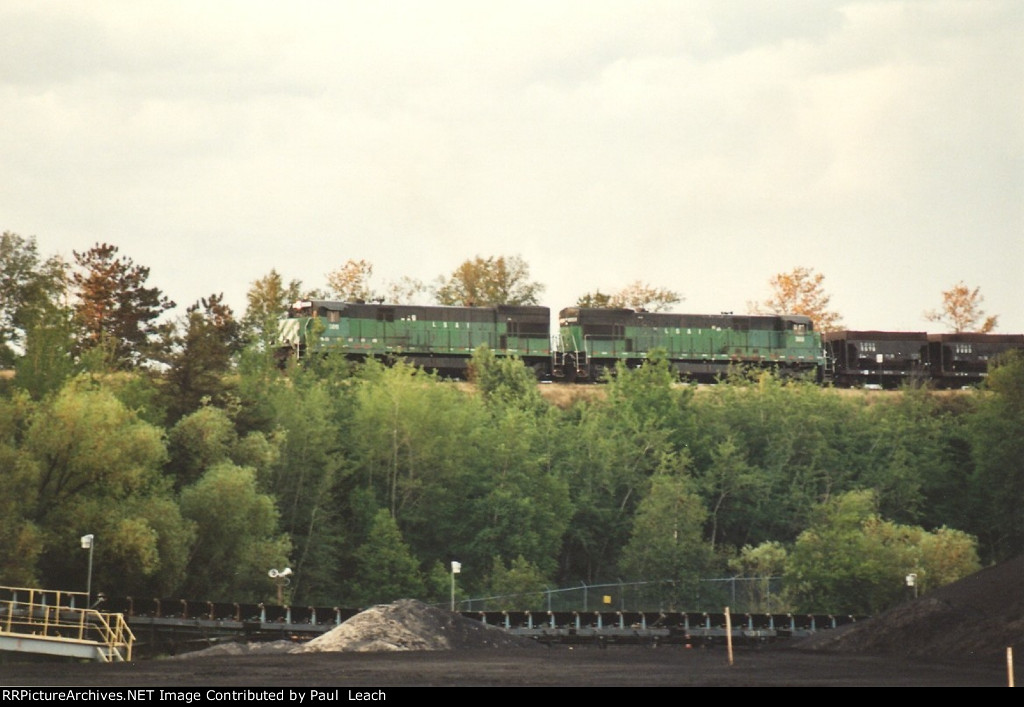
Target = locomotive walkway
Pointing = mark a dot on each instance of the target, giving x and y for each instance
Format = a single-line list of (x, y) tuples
[(51, 623)]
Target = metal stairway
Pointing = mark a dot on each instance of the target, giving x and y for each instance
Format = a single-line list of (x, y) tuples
[(57, 623)]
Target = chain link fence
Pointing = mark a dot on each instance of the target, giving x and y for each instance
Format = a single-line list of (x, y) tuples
[(761, 595)]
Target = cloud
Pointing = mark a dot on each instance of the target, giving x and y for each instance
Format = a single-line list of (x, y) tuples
[(701, 146)]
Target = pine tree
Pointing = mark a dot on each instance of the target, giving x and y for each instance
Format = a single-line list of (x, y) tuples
[(115, 311)]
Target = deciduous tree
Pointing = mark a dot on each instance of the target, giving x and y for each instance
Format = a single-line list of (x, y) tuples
[(351, 282), (404, 290), (29, 291), (96, 469), (237, 535), (667, 541), (487, 282), (268, 299), (998, 451), (761, 566), (800, 291), (595, 300), (637, 295), (504, 382), (851, 560), (519, 586), (961, 310)]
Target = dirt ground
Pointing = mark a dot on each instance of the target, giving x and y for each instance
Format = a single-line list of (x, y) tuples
[(955, 636), (557, 666)]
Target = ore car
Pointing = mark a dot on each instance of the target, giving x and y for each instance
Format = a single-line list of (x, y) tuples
[(958, 360), (883, 359)]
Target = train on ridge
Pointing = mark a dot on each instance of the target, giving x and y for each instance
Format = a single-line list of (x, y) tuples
[(591, 342)]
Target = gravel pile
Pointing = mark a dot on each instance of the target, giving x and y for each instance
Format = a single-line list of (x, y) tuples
[(979, 616), (410, 625)]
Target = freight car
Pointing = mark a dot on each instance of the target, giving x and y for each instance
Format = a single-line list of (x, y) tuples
[(957, 360), (883, 359), (888, 359), (701, 347), (439, 339)]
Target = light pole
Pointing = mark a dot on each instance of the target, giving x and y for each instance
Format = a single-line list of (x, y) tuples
[(280, 578), (87, 544), (456, 568), (912, 582)]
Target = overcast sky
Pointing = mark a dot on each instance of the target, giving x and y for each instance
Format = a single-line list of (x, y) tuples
[(699, 146)]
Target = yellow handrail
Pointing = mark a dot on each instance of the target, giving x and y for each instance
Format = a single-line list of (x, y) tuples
[(53, 614)]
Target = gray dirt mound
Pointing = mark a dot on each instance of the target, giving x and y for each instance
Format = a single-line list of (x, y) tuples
[(237, 648), (410, 625), (979, 616)]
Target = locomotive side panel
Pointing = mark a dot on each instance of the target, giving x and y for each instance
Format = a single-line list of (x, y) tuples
[(701, 347), (436, 338)]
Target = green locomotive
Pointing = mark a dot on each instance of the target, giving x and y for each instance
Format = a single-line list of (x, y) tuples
[(701, 347), (591, 342), (439, 339)]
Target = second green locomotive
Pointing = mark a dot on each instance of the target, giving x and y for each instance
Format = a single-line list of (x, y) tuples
[(701, 347)]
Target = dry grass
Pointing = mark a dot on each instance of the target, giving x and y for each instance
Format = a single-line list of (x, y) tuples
[(565, 395)]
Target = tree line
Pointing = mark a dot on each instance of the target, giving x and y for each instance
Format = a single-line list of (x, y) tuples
[(199, 464)]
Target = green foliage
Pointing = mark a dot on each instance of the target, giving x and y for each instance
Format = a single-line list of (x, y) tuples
[(520, 586), (88, 464), (834, 566), (29, 292), (667, 539), (438, 583), (907, 452), (141, 545), (275, 467), (268, 299), (47, 363), (385, 567), (730, 482), (410, 436), (762, 565), (88, 443), (504, 382), (21, 539), (851, 560), (237, 536), (489, 282), (202, 357), (612, 452), (310, 414), (198, 441), (517, 506), (789, 445), (997, 445)]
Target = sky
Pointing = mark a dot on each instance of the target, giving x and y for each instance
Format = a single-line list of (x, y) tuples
[(700, 146)]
